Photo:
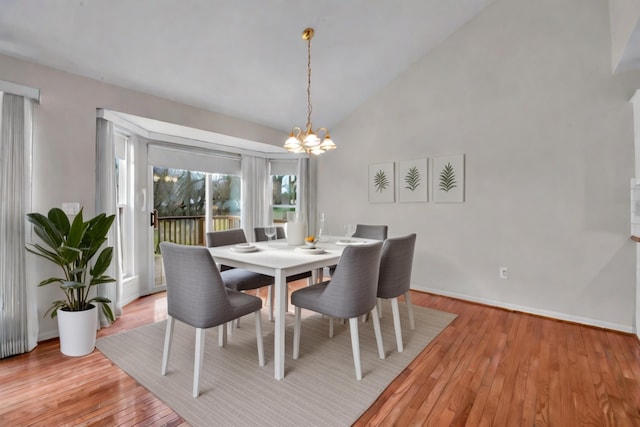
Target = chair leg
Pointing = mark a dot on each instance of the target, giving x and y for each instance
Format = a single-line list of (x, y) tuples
[(168, 335), (330, 327), (259, 338), (199, 357), (230, 327), (407, 299), (355, 346), (378, 331), (296, 333), (270, 302), (379, 304), (222, 333), (396, 323)]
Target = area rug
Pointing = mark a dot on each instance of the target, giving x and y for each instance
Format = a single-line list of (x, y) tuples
[(319, 389)]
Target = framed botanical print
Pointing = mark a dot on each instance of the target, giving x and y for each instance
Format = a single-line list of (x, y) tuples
[(412, 181), (448, 179), (382, 183)]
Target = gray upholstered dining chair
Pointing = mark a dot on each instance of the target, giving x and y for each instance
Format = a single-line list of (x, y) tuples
[(261, 236), (197, 296), (349, 294), (239, 279), (376, 232), (364, 231), (394, 279)]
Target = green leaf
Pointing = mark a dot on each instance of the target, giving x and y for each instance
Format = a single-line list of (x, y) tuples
[(103, 262), (106, 309), (447, 178), (71, 284), (412, 179), (55, 306), (380, 181), (76, 231), (69, 254), (45, 253), (51, 280), (46, 230), (60, 220), (97, 280)]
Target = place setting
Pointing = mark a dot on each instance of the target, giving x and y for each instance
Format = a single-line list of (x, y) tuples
[(244, 248), (310, 246), (348, 240)]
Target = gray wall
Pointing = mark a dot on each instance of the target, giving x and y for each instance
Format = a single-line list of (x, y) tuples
[(526, 92), (65, 138)]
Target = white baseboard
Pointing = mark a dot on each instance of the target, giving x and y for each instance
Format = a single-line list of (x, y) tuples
[(131, 298), (43, 336), (529, 310)]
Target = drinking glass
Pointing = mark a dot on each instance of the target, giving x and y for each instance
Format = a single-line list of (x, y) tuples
[(270, 231), (321, 229), (348, 231)]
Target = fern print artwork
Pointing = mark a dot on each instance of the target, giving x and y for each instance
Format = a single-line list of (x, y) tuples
[(382, 184), (412, 179), (447, 178), (380, 181)]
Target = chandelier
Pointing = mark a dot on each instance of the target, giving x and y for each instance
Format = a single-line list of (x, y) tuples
[(308, 141)]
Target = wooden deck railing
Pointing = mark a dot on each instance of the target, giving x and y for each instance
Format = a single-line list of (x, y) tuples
[(190, 230)]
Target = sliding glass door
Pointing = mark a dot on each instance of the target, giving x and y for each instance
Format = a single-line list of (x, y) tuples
[(187, 202)]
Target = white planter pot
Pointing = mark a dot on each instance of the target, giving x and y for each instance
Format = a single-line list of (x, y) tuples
[(77, 331)]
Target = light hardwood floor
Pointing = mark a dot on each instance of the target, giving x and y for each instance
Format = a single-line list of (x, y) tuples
[(489, 367)]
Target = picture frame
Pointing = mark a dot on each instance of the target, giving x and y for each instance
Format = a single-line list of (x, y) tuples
[(448, 179), (413, 181), (382, 182)]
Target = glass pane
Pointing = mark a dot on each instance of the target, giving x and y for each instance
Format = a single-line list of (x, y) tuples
[(179, 201), (284, 196), (225, 201)]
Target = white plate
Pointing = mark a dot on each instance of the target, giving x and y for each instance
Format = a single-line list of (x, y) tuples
[(351, 242), (244, 247), (313, 251)]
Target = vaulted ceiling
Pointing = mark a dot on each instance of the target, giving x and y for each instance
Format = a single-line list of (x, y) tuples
[(243, 58)]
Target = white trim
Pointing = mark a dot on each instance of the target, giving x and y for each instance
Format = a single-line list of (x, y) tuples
[(21, 90), (528, 310), (197, 137)]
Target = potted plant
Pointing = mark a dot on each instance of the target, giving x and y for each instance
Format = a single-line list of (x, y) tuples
[(72, 247)]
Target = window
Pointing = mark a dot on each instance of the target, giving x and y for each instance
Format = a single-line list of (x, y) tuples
[(284, 196), (284, 184), (124, 203)]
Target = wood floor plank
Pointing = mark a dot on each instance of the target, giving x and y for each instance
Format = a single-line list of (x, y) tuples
[(489, 367)]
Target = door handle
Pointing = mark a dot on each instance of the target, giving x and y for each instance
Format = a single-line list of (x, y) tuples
[(154, 218)]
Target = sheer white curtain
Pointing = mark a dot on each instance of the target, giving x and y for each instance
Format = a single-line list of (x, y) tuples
[(106, 202), (256, 194), (18, 308), (307, 193)]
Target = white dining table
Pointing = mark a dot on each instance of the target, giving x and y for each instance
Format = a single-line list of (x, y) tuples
[(280, 260)]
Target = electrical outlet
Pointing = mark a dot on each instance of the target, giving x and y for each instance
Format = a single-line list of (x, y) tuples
[(71, 208), (504, 273)]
